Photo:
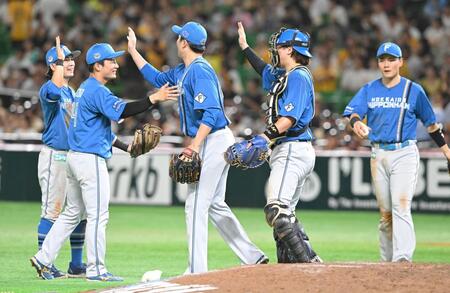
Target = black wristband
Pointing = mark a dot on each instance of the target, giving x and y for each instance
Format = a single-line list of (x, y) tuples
[(438, 137), (59, 62), (272, 132), (353, 120)]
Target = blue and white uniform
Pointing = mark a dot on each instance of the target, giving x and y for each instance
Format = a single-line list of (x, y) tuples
[(392, 115), (90, 141), (293, 157), (56, 104), (201, 101)]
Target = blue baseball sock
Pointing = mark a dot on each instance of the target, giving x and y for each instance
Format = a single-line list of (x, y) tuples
[(77, 242), (43, 228)]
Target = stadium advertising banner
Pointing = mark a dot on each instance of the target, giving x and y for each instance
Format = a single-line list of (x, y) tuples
[(341, 181)]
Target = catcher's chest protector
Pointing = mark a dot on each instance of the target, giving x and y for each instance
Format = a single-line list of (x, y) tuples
[(275, 93)]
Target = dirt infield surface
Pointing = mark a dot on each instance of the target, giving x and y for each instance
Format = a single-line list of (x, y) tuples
[(348, 277), (335, 277)]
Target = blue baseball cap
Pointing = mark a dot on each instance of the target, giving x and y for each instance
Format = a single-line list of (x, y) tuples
[(389, 49), (193, 32), (101, 51), (51, 56)]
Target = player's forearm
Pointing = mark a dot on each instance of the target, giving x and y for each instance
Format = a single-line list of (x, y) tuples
[(153, 75), (257, 63), (133, 108), (137, 58), (121, 145), (283, 124), (58, 74), (277, 130), (202, 133), (437, 135)]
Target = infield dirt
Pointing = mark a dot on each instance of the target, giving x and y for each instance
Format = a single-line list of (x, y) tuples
[(334, 277)]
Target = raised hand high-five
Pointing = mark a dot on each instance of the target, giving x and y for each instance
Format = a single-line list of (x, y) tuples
[(242, 37)]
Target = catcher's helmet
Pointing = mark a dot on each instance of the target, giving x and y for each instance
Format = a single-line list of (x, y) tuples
[(297, 39)]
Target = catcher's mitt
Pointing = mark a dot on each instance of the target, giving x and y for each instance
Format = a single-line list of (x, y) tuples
[(248, 153), (185, 167), (145, 139)]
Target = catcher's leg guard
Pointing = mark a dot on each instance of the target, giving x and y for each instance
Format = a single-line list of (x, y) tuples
[(279, 217), (311, 253), (284, 255)]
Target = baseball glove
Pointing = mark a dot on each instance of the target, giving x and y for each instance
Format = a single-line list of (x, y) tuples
[(145, 139), (185, 167), (248, 153)]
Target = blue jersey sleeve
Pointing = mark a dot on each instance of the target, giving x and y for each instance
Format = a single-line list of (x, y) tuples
[(105, 102), (50, 92), (269, 76), (296, 96), (358, 104), (156, 77), (205, 89), (424, 110)]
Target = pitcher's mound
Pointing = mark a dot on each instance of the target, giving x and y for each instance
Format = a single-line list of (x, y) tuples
[(335, 277)]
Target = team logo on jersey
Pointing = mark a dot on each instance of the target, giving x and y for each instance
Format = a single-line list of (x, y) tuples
[(289, 107), (200, 98), (388, 102)]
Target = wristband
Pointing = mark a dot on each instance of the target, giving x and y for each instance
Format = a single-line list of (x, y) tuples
[(272, 132), (354, 120), (438, 137)]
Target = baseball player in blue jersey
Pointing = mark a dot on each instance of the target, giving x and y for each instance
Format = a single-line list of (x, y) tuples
[(203, 119), (56, 98), (290, 111), (392, 106), (90, 142)]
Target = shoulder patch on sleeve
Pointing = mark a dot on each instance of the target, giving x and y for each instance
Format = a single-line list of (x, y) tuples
[(200, 98), (289, 107)]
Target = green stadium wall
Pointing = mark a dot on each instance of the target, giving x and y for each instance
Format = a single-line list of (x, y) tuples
[(341, 181)]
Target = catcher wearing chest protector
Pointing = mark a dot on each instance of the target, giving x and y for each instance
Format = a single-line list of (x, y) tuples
[(290, 111)]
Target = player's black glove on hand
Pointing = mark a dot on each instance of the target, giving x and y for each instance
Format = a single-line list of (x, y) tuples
[(185, 167)]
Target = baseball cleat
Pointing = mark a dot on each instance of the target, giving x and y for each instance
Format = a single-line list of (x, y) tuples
[(57, 274), (106, 277), (43, 271), (262, 260), (76, 271), (317, 259)]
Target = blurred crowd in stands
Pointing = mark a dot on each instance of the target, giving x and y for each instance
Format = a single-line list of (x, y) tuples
[(345, 35)]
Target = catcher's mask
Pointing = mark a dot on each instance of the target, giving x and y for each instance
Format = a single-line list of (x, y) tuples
[(295, 38)]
